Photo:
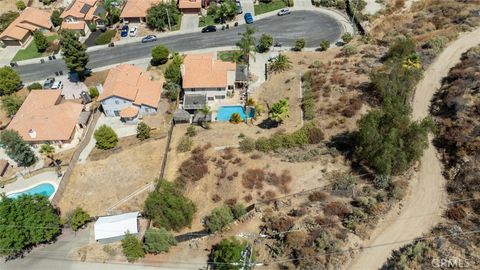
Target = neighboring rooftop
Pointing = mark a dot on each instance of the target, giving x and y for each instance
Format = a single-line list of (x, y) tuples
[(137, 8), (28, 21), (83, 9), (43, 118), (203, 70), (131, 83), (183, 4)]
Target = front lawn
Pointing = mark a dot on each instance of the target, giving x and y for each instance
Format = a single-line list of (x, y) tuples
[(31, 51), (267, 7), (206, 20), (176, 27), (226, 56), (105, 38)]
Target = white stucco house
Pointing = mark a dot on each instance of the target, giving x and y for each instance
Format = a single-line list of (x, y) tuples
[(129, 93)]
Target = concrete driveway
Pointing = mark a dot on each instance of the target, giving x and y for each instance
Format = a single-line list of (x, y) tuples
[(7, 54), (189, 22)]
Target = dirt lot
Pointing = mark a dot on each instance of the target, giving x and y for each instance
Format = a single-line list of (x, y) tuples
[(9, 5), (96, 78), (133, 165)]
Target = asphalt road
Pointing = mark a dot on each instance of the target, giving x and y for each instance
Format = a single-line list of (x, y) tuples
[(311, 25)]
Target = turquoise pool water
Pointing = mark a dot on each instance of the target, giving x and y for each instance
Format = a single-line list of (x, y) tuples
[(44, 189), (224, 112)]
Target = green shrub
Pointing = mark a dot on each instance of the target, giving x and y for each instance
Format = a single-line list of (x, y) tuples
[(160, 55), (247, 145), (347, 37), (105, 38), (55, 17), (218, 219), (300, 44), (185, 144), (11, 104), (235, 118), (238, 210), (34, 86), (401, 48), (173, 72), (357, 216), (191, 131), (143, 131), (93, 92), (16, 148), (106, 138), (92, 27), (263, 144), (348, 50), (20, 5), (228, 253), (264, 43), (436, 44), (158, 240), (324, 45), (78, 218), (171, 90), (344, 182), (132, 248)]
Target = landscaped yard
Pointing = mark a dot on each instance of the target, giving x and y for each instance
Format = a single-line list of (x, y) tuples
[(225, 56), (206, 20), (31, 50), (267, 7)]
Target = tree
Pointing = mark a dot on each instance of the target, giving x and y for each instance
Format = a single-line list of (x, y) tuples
[(206, 110), (238, 210), (347, 37), (173, 72), (7, 18), (225, 11), (9, 80), (300, 44), (279, 111), (78, 218), (168, 208), (11, 104), (324, 45), (280, 63), (111, 10), (93, 92), (106, 137), (264, 43), (172, 90), (159, 55), (16, 148), (48, 150), (20, 5), (191, 131), (40, 41), (34, 86), (158, 240), (218, 219), (235, 118), (227, 254), (246, 44), (401, 48), (158, 16), (74, 52), (132, 248), (143, 131), (26, 221), (55, 17)]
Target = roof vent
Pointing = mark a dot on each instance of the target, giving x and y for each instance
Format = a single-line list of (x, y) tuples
[(32, 133)]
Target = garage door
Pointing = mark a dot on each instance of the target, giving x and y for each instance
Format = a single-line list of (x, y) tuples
[(11, 42), (191, 10)]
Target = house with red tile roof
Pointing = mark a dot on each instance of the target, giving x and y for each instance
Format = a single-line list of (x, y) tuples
[(44, 118), (130, 93), (80, 13), (21, 29), (206, 80), (135, 11), (190, 6)]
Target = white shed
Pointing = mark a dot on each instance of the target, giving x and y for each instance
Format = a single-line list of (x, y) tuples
[(113, 228)]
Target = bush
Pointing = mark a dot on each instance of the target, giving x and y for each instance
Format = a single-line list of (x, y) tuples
[(106, 138), (93, 92), (247, 145), (9, 80), (92, 27), (34, 86), (191, 131), (185, 144), (20, 5), (218, 219), (40, 41), (132, 248), (11, 104), (171, 90), (348, 50), (143, 131), (159, 55), (168, 208), (78, 218), (300, 44), (55, 17), (336, 208), (105, 38), (173, 72), (194, 168), (317, 196), (347, 37), (401, 48), (16, 148), (324, 45), (264, 43), (235, 118), (344, 182), (228, 253), (158, 240), (238, 210)]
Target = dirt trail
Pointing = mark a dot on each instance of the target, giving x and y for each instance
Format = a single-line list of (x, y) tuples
[(423, 207)]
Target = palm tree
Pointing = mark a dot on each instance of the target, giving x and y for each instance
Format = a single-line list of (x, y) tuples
[(247, 43), (281, 63), (49, 151), (412, 62), (279, 111), (206, 110), (235, 118)]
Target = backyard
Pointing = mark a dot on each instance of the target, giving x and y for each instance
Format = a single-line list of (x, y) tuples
[(31, 51)]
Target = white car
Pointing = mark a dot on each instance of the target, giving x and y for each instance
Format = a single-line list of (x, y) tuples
[(57, 85), (133, 31), (283, 11)]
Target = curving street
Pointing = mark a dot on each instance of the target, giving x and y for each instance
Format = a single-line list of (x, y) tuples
[(314, 26)]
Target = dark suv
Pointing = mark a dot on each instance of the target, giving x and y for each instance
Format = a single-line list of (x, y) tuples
[(209, 28)]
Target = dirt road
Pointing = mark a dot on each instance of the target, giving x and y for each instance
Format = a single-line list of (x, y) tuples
[(423, 207)]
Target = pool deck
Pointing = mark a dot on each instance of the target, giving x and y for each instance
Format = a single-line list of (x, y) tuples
[(24, 184)]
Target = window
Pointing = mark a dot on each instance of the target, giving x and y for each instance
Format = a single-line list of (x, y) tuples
[(230, 87), (220, 97), (211, 98), (117, 113), (124, 101), (117, 102)]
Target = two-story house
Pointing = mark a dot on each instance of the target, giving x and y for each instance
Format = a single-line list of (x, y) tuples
[(80, 13), (128, 92), (206, 80)]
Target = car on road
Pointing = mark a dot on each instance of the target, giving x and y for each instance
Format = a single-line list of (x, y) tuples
[(149, 38), (283, 11), (209, 28), (133, 31), (57, 85), (248, 18), (239, 7), (124, 32), (48, 83)]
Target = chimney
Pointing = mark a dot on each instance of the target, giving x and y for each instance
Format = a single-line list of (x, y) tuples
[(32, 133)]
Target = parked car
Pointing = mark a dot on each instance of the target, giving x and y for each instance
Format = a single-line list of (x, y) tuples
[(57, 85), (283, 11), (149, 38), (133, 31), (48, 83), (248, 18), (239, 7), (124, 32), (209, 28)]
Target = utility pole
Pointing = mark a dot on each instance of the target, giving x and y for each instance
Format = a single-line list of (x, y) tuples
[(168, 18)]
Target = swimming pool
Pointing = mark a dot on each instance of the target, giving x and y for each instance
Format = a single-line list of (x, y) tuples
[(45, 189), (225, 112)]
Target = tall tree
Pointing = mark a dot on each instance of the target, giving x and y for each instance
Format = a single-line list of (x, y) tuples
[(110, 7), (159, 16), (9, 80), (55, 17), (40, 41), (226, 10), (227, 255), (16, 148), (280, 63), (246, 44), (74, 52)]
